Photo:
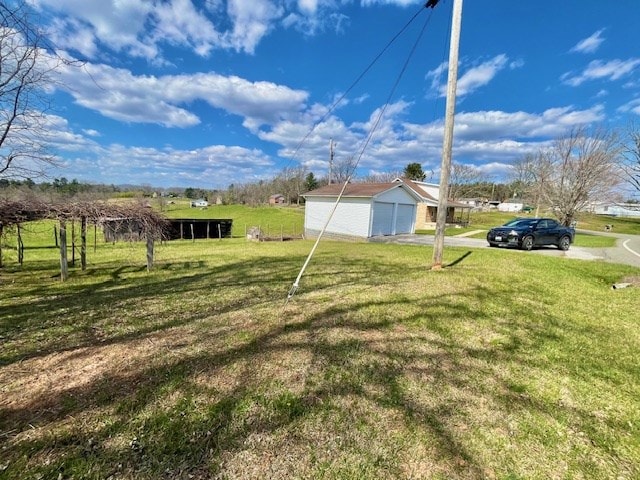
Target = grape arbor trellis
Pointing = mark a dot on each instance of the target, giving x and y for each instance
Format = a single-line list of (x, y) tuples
[(150, 225)]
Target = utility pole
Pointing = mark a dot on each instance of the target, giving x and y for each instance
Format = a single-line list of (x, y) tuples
[(447, 144), (330, 159)]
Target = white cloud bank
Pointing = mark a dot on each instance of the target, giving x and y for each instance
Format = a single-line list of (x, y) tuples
[(119, 94)]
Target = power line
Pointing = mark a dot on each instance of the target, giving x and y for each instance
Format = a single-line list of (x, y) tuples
[(296, 283)]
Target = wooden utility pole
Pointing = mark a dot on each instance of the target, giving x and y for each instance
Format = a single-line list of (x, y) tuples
[(447, 144)]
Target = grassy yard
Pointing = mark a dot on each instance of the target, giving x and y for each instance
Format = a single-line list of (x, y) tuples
[(273, 221), (503, 365)]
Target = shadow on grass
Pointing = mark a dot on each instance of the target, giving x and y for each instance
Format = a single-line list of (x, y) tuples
[(458, 260), (238, 399)]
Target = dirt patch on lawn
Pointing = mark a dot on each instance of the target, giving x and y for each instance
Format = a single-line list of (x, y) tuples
[(633, 279)]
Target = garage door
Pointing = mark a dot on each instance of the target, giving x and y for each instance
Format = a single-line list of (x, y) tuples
[(382, 219), (404, 218)]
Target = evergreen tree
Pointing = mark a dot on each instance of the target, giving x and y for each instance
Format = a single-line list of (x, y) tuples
[(413, 171), (310, 182)]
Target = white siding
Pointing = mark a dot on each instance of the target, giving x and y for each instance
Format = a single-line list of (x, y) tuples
[(396, 195), (351, 217), (387, 213), (433, 190)]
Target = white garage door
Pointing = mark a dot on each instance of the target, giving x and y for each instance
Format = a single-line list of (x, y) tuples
[(404, 218), (382, 219)]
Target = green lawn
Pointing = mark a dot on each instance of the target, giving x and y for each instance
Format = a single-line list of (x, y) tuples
[(273, 221), (502, 365)]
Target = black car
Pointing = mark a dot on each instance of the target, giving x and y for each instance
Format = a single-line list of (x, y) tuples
[(526, 233)]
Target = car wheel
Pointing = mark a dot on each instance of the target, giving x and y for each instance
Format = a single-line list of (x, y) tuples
[(527, 243), (564, 243)]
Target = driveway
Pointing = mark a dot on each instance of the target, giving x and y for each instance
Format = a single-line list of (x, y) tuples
[(626, 250)]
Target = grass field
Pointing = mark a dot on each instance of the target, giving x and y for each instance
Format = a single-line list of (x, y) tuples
[(273, 221), (503, 365)]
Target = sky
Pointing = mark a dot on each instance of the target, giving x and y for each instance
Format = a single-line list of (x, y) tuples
[(208, 93)]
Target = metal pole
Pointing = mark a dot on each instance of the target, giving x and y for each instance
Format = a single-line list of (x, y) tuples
[(447, 144)]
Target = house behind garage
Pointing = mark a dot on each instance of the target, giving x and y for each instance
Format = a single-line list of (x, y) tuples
[(365, 210), (427, 208)]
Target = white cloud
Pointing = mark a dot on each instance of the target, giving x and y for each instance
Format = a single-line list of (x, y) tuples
[(600, 69), (140, 27), (480, 75), (631, 107), (143, 28), (118, 24), (252, 19), (474, 78), (522, 125), (178, 22), (589, 44), (117, 93)]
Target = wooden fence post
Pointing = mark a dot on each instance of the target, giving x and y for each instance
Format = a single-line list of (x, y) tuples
[(83, 243), (73, 243), (149, 251), (64, 267), (20, 246)]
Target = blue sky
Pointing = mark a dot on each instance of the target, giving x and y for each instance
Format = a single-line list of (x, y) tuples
[(206, 93)]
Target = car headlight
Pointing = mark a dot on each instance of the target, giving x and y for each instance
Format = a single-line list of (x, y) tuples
[(513, 233)]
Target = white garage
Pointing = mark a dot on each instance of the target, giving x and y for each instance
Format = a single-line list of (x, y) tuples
[(365, 210)]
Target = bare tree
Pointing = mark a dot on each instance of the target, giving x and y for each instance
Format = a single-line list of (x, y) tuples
[(26, 65), (290, 182), (382, 177), (578, 168), (631, 158), (531, 176), (343, 169), (464, 180)]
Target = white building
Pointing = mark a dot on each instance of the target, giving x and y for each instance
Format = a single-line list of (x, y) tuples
[(616, 209), (199, 203), (365, 210), (510, 207)]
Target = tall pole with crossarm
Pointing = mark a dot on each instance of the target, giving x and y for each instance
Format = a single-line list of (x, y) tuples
[(447, 144)]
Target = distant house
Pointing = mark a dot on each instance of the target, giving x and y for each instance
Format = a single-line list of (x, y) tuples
[(277, 199), (199, 203), (427, 207), (472, 202), (365, 210), (510, 206), (615, 209)]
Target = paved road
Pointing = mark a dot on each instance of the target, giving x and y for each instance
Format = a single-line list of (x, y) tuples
[(626, 251)]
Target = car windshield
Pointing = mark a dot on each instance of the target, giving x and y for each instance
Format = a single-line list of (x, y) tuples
[(521, 222)]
